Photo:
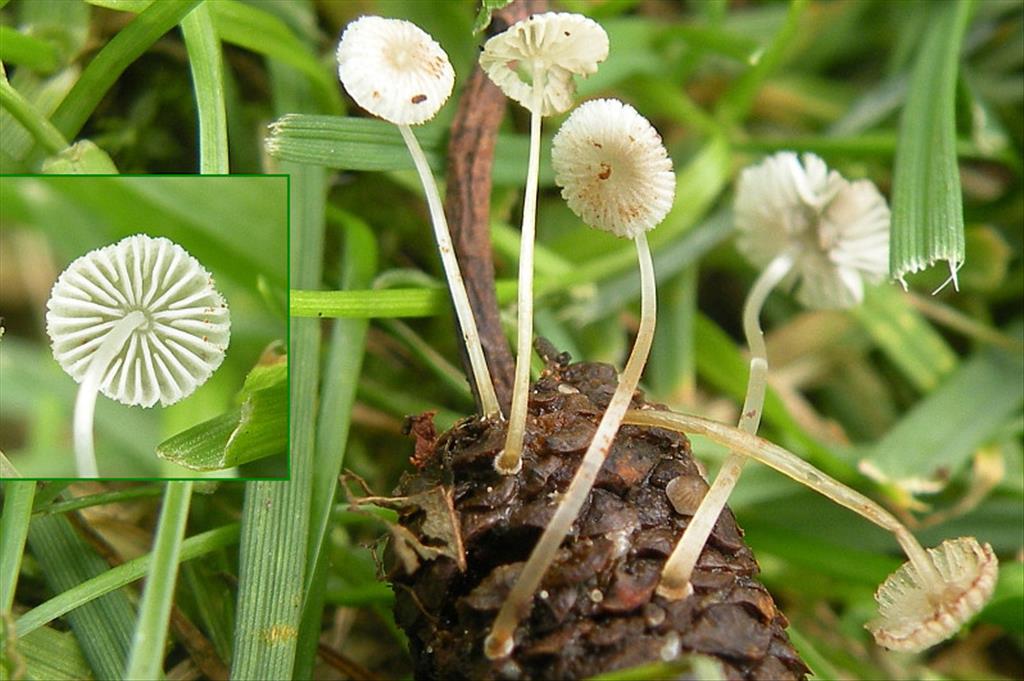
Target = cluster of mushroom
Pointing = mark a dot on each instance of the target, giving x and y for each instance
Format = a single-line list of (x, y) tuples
[(802, 223)]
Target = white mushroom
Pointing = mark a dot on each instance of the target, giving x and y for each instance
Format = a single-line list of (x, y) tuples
[(534, 62), (928, 598), (800, 222), (836, 231), (613, 169), (139, 320), (396, 71), (921, 605), (602, 139), (546, 50)]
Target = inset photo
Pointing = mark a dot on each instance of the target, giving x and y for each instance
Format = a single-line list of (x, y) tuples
[(144, 327)]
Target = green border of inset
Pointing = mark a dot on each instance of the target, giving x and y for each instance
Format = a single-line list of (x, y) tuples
[(287, 334)]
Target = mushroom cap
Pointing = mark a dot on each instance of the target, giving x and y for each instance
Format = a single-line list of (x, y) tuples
[(394, 69), (613, 169), (182, 341), (561, 44), (841, 227), (911, 618)]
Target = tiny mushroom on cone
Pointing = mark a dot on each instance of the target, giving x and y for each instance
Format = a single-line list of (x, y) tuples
[(396, 71), (802, 223), (601, 140), (139, 320), (533, 62), (916, 610)]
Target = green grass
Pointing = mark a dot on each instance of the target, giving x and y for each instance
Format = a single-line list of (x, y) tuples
[(923, 98)]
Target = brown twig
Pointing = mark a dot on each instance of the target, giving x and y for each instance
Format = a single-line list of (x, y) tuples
[(345, 665), (468, 202)]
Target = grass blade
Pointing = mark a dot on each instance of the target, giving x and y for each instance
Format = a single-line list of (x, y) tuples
[(27, 50), (103, 622), (111, 61), (81, 158), (260, 31), (255, 29), (430, 359), (115, 497), (403, 302), (927, 206), (257, 429), (54, 655), (14, 524), (204, 59), (349, 143), (44, 95), (344, 361), (369, 144), (737, 101), (276, 515), (147, 656), (937, 438), (672, 373), (95, 590), (44, 133), (901, 332)]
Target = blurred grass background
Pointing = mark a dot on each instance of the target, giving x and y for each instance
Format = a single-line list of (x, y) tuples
[(236, 227), (925, 387)]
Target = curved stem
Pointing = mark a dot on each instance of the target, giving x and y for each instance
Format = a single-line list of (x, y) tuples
[(38, 125), (500, 642), (509, 460), (85, 403), (678, 568), (792, 466), (463, 310), (675, 576), (769, 278)]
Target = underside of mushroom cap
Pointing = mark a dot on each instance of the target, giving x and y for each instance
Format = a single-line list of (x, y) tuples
[(912, 618), (394, 69), (840, 229), (180, 344), (561, 44)]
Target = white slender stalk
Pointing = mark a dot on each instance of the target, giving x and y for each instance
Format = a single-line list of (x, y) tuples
[(85, 403), (500, 642), (675, 576), (460, 299), (789, 464), (510, 460)]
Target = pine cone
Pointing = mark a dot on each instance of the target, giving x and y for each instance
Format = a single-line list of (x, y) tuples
[(596, 610)]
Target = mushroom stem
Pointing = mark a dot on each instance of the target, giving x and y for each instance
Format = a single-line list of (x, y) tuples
[(748, 445), (85, 403), (675, 576), (460, 299), (500, 642), (509, 460)]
